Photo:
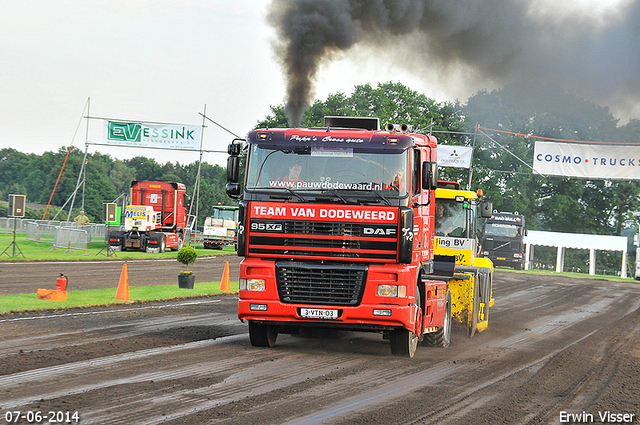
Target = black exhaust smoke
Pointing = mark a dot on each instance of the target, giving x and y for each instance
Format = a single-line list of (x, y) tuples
[(493, 42)]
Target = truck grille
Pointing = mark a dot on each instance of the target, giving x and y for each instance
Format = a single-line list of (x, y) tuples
[(298, 238), (323, 228), (320, 284)]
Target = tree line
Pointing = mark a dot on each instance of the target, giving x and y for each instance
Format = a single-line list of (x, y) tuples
[(501, 162), (107, 178)]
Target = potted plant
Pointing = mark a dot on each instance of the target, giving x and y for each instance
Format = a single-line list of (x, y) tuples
[(187, 255)]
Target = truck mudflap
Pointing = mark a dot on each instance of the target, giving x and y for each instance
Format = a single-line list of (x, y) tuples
[(156, 242), (115, 240), (174, 241), (471, 297)]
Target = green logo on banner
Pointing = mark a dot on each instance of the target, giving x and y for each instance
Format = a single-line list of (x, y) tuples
[(125, 131)]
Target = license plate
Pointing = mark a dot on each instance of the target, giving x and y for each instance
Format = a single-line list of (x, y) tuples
[(318, 313), (501, 258)]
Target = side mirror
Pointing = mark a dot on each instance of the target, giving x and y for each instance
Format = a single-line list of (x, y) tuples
[(233, 169), (429, 175), (234, 148), (486, 209), (233, 190)]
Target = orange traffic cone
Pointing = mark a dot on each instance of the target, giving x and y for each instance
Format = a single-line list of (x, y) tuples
[(123, 285), (224, 282)]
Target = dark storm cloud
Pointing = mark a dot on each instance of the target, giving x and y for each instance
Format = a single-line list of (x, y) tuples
[(500, 41)]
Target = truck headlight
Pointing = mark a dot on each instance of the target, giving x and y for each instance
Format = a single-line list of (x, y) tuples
[(517, 255), (252, 285), (392, 291)]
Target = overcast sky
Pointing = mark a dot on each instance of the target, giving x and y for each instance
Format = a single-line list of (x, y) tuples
[(160, 61)]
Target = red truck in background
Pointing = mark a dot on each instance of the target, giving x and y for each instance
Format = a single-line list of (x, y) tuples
[(336, 227), (154, 219)]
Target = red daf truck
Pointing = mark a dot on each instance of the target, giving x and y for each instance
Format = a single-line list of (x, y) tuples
[(336, 227), (154, 219)]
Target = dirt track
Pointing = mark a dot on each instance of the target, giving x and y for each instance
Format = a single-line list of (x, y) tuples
[(27, 277), (553, 345)]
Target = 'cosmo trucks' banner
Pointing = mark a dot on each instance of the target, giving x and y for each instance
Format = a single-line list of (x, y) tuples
[(140, 134), (590, 161)]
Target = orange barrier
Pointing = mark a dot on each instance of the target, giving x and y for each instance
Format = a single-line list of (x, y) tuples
[(52, 295)]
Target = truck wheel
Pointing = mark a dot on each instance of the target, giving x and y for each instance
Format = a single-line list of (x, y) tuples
[(262, 335), (442, 338), (403, 343)]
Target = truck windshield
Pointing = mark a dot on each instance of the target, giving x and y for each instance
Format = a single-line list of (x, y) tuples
[(451, 218), (502, 229), (328, 169), (224, 214)]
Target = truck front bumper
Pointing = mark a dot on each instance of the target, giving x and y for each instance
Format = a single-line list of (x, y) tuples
[(362, 317)]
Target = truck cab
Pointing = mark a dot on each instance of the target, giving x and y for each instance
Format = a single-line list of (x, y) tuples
[(220, 229), (503, 239), (458, 232), (336, 230), (154, 219)]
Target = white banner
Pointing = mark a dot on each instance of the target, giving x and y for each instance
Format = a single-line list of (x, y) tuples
[(590, 161), (142, 134), (455, 156)]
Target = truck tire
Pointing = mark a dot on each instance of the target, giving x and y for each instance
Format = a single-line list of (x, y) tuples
[(262, 335), (442, 337), (405, 342)]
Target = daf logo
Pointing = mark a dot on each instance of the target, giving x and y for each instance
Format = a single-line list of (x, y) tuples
[(379, 231)]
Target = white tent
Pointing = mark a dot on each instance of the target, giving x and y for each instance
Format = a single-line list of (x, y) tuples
[(577, 241)]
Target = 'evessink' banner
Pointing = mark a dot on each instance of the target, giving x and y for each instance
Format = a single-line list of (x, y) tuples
[(142, 134), (590, 161)]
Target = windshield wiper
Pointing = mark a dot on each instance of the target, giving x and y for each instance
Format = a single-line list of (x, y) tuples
[(293, 192), (378, 195), (289, 190), (333, 192)]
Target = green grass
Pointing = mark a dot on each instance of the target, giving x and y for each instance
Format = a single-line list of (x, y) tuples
[(41, 251), (102, 297), (567, 274), (105, 297)]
